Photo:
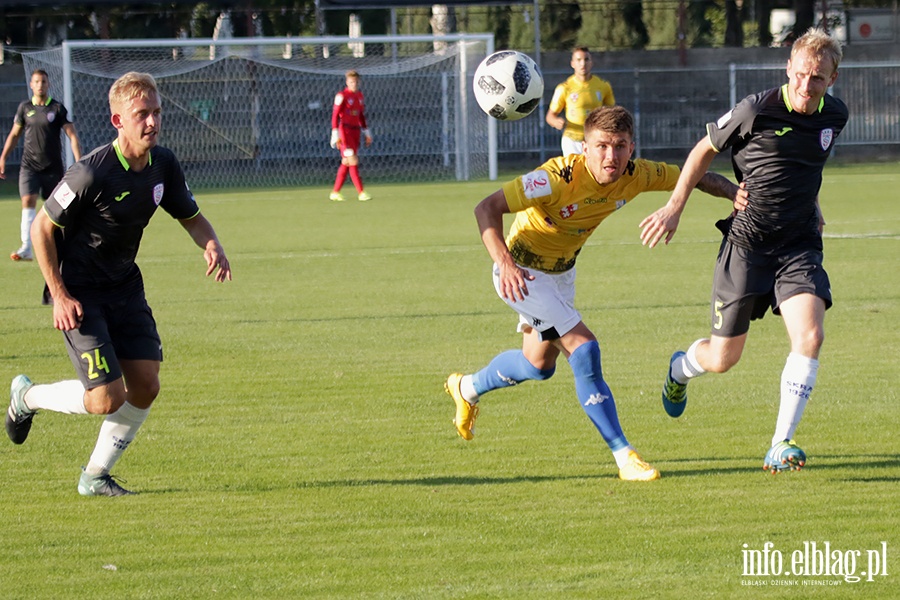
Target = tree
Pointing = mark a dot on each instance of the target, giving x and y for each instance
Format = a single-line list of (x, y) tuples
[(734, 23)]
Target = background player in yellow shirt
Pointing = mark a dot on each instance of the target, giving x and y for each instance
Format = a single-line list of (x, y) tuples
[(557, 208), (575, 98)]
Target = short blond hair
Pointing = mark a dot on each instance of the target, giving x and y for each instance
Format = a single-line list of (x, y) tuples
[(129, 86), (818, 43)]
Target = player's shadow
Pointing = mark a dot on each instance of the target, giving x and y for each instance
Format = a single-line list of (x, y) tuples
[(449, 480), (865, 467)]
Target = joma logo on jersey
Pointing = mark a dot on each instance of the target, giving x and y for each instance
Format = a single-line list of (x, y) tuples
[(567, 211)]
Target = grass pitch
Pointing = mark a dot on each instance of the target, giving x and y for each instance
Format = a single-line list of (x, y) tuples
[(302, 445)]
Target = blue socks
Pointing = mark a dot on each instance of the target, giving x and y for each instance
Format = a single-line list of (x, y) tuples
[(507, 369), (511, 367), (595, 396)]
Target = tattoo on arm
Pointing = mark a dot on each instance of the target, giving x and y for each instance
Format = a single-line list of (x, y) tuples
[(717, 185)]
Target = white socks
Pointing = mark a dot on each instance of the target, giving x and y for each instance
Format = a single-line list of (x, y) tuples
[(116, 434), (687, 367), (468, 390), (621, 456), (797, 381), (63, 397), (27, 220)]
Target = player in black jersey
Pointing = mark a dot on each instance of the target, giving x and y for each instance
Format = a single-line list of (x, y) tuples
[(772, 252), (41, 119), (85, 240)]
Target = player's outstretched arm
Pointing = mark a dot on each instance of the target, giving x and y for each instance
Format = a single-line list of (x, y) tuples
[(203, 234), (661, 225)]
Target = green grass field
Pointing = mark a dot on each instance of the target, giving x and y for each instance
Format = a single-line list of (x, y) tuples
[(302, 445)]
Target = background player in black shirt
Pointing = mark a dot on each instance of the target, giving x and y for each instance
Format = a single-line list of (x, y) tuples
[(85, 240), (772, 252), (41, 119)]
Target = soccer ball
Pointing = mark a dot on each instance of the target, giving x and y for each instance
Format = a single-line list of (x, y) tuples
[(508, 85)]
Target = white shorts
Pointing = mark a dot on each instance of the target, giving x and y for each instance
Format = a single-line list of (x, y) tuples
[(549, 307), (570, 146)]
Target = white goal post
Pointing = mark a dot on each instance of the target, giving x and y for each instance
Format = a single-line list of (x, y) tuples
[(251, 112)]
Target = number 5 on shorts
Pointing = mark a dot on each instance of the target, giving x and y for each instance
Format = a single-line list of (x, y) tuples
[(718, 324), (95, 363)]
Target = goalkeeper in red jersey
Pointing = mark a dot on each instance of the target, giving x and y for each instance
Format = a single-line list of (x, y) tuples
[(348, 124)]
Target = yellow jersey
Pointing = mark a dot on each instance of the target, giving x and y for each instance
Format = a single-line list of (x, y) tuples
[(560, 204), (578, 99)]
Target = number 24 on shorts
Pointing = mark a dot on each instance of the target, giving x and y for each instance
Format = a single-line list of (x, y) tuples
[(95, 363)]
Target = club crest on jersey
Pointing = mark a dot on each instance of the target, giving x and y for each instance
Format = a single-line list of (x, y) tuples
[(157, 193), (50, 117), (536, 184), (567, 211), (825, 138)]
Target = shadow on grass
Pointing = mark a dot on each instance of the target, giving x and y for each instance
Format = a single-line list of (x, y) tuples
[(439, 481), (849, 462), (872, 463)]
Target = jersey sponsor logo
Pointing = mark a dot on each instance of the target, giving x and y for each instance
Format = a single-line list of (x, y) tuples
[(596, 200), (783, 131), (723, 120), (567, 211), (158, 190), (64, 195), (825, 138), (536, 184), (121, 196)]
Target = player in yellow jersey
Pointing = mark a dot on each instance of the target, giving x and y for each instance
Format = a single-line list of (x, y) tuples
[(575, 98), (557, 208)]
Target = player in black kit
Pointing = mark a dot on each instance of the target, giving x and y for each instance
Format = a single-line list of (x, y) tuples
[(772, 252), (86, 239), (41, 119)]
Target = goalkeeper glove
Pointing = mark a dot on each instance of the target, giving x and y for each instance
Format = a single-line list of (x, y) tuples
[(334, 138)]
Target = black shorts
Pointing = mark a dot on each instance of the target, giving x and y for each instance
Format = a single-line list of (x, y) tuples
[(109, 332), (747, 283), (32, 183)]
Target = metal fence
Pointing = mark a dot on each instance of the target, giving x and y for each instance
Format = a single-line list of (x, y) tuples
[(672, 106)]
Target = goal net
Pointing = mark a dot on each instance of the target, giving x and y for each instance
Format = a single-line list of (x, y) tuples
[(252, 112)]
